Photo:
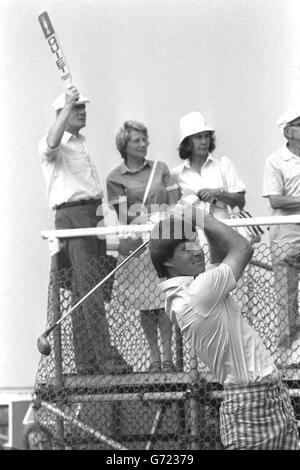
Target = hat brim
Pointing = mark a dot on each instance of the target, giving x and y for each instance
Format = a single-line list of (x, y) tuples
[(202, 129), (76, 104), (59, 102)]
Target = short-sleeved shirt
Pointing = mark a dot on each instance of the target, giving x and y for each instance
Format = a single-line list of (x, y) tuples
[(211, 321), (282, 178), (216, 173), (126, 185), (69, 171)]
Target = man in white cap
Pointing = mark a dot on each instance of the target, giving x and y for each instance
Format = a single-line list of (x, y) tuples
[(74, 192), (281, 185)]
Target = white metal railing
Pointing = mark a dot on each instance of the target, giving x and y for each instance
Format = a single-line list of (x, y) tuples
[(145, 228)]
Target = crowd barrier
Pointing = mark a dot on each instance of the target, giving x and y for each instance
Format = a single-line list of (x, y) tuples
[(79, 405)]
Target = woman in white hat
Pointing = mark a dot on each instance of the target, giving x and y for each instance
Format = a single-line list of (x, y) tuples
[(212, 179)]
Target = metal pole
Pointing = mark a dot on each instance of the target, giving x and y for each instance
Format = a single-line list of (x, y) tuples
[(57, 349), (194, 404), (75, 422), (155, 426), (145, 228)]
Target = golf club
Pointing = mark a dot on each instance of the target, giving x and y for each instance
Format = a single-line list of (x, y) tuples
[(43, 343)]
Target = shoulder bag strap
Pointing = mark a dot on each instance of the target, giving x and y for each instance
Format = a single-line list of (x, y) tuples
[(149, 182)]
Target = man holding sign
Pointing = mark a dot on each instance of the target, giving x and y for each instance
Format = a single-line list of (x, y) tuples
[(74, 192)]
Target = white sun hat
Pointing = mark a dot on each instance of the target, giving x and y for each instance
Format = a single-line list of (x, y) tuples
[(59, 102), (192, 123), (288, 116)]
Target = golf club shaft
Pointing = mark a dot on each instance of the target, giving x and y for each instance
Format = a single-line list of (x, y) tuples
[(51, 328)]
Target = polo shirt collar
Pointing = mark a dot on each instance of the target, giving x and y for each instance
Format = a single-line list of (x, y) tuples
[(175, 282), (187, 163), (67, 136), (124, 169), (287, 154)]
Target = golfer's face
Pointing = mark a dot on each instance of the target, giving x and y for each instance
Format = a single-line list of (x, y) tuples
[(294, 128), (188, 258)]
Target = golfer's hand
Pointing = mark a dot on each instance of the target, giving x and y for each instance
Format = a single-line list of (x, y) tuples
[(187, 209)]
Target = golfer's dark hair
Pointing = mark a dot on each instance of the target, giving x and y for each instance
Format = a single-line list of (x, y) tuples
[(186, 146), (165, 237)]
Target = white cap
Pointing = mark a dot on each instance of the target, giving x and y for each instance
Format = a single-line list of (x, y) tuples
[(59, 102), (288, 116), (192, 123)]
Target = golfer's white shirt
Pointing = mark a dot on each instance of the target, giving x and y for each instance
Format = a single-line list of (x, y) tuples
[(69, 171), (211, 321)]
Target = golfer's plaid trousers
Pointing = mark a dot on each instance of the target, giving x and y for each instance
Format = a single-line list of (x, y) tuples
[(258, 417)]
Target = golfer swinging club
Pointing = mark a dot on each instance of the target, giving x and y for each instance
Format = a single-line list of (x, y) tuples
[(256, 413)]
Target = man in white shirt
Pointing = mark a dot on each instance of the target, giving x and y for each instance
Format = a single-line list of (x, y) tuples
[(281, 185), (256, 412), (74, 192)]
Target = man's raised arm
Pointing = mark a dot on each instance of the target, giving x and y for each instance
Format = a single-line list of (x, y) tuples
[(60, 124), (226, 245)]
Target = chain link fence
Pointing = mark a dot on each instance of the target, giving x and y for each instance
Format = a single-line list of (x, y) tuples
[(95, 389)]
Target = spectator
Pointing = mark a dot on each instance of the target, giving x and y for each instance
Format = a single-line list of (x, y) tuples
[(256, 413), (126, 188), (281, 185), (74, 193), (213, 179)]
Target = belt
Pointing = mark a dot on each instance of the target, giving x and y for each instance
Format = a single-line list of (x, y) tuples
[(256, 386), (83, 202)]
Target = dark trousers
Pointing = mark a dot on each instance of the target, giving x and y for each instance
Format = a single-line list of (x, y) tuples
[(286, 271), (91, 336)]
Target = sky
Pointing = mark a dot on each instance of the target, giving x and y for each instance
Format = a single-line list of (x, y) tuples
[(150, 60)]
